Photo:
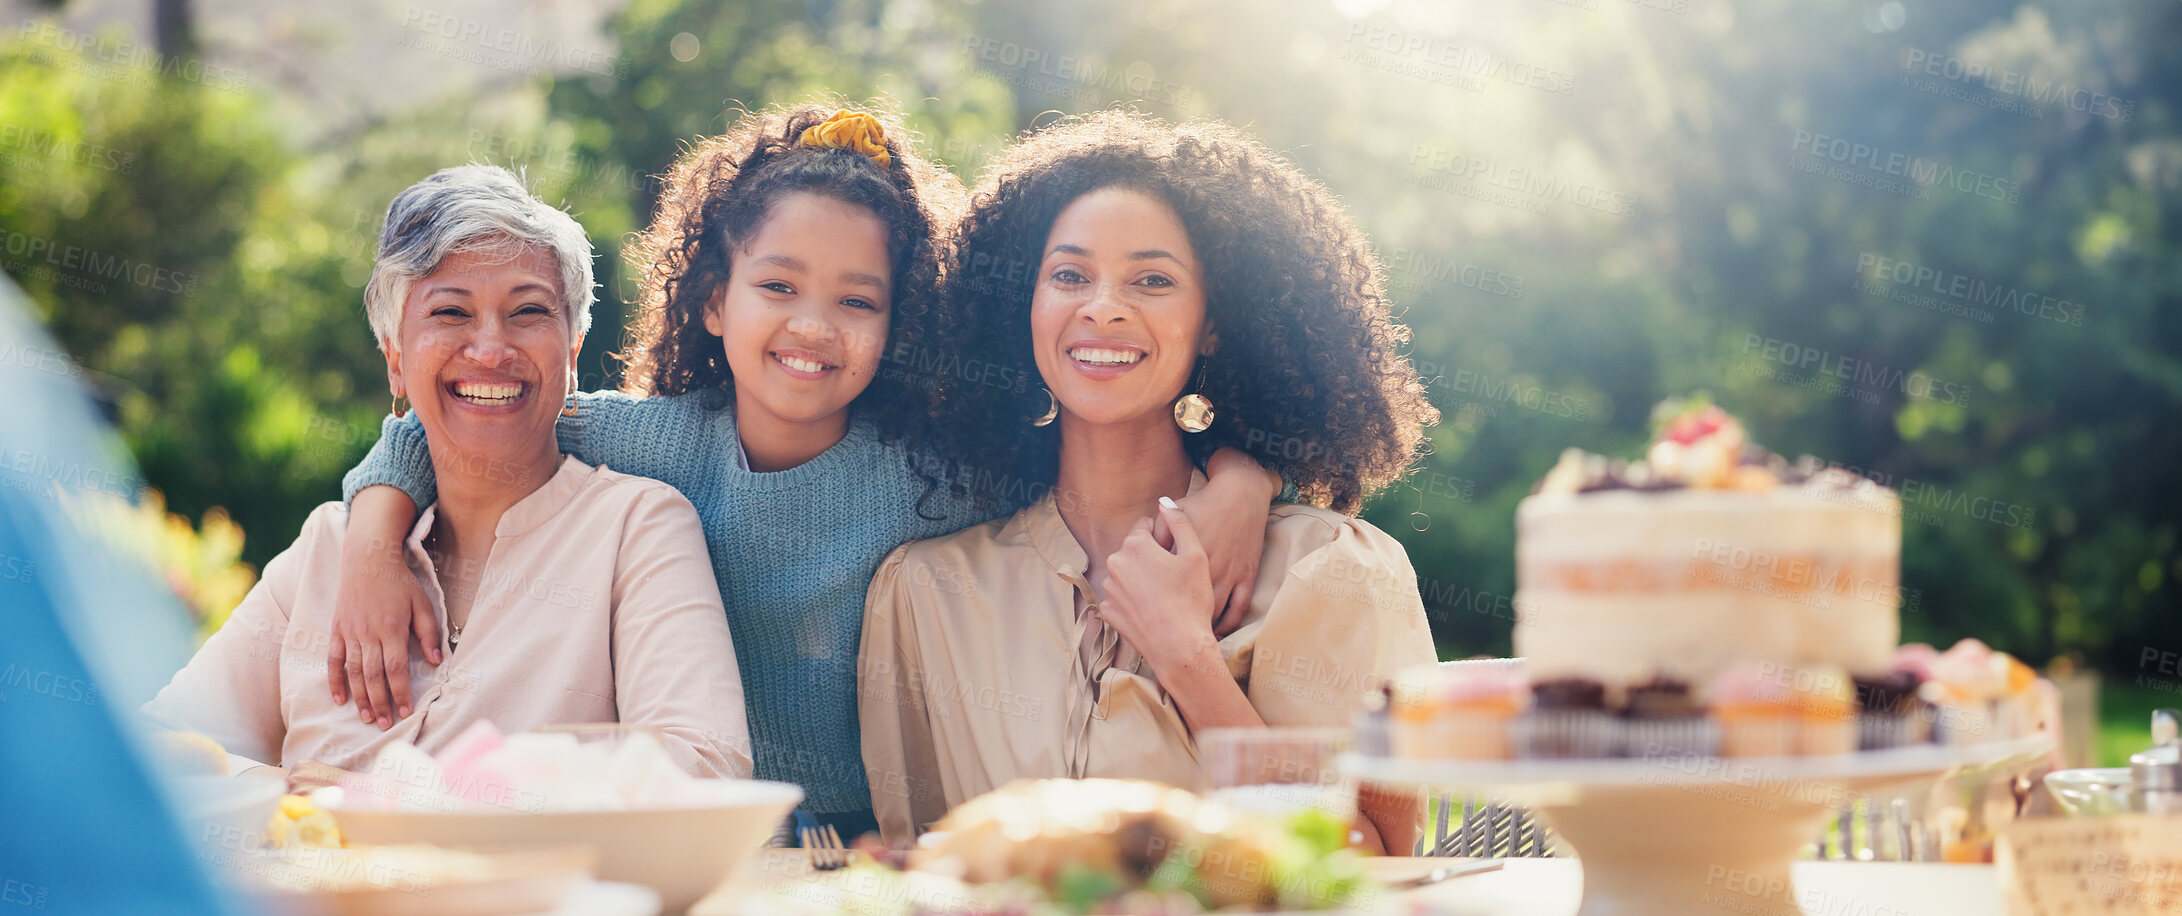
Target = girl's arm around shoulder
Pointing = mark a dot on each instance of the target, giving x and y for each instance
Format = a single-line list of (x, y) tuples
[(673, 439), (400, 459), (1347, 617)]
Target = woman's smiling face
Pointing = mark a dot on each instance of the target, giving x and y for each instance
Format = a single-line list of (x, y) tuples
[(804, 313), (1118, 316), (486, 343)]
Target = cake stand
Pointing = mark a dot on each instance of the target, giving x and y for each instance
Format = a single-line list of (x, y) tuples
[(1681, 835)]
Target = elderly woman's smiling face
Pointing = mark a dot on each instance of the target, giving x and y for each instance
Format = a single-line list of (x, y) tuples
[(484, 355)]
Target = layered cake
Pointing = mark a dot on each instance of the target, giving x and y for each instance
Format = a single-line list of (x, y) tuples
[(1709, 599), (1708, 552)]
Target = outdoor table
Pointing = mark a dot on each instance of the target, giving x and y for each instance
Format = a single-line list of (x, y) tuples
[(1552, 887)]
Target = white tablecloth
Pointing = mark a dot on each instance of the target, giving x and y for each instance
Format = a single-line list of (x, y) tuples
[(1552, 887)]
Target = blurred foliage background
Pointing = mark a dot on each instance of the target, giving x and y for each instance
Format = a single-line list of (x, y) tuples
[(1936, 242)]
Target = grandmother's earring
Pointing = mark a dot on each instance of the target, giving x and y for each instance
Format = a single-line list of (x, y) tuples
[(568, 409), (1193, 411), (401, 407), (1053, 409)]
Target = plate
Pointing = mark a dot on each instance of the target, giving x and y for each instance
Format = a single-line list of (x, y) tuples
[(412, 881), (683, 853)]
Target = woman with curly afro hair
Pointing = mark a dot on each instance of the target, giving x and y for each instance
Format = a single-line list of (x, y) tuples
[(788, 289), (1176, 290)]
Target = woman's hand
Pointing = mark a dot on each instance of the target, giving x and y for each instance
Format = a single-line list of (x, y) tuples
[(1232, 506), (1159, 598), (1159, 593), (378, 604)]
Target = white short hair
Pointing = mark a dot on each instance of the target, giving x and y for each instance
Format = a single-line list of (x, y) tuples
[(471, 208)]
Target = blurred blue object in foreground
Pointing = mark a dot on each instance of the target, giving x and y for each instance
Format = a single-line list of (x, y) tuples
[(87, 633)]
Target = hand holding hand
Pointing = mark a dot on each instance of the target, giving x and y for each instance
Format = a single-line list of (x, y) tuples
[(1232, 506), (1159, 596)]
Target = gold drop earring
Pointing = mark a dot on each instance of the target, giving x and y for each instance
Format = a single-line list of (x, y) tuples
[(1193, 411), (1053, 409)]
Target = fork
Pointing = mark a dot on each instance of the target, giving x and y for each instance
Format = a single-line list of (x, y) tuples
[(1446, 872), (827, 851)]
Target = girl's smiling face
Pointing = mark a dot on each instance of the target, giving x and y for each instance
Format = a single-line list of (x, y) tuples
[(804, 312), (1118, 316)]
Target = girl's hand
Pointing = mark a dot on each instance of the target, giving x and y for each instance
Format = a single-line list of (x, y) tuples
[(1232, 506), (379, 602), (1159, 596)]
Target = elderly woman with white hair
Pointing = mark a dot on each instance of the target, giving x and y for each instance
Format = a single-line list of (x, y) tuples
[(568, 593)]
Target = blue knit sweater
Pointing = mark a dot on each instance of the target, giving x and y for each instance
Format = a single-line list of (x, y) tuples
[(794, 552)]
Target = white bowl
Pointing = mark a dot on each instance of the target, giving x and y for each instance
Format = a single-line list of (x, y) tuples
[(2091, 790), (683, 853)]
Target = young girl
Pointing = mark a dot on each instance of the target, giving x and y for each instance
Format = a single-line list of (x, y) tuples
[(784, 382)]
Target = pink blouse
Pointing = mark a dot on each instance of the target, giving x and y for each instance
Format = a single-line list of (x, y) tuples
[(596, 604)]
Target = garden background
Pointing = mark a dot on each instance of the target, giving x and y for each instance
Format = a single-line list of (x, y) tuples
[(1934, 242)]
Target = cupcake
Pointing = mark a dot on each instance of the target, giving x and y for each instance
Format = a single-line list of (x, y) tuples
[(1916, 658), (1825, 711), (2016, 711), (1889, 714), (1966, 681), (1460, 713), (1756, 710), (1663, 719), (1567, 720)]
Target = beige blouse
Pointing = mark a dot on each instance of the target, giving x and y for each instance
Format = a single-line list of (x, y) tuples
[(596, 604), (976, 669)]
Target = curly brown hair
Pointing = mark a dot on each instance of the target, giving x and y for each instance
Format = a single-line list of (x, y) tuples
[(1309, 377), (718, 195)]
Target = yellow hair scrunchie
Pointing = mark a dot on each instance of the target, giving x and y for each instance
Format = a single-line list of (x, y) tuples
[(850, 130)]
